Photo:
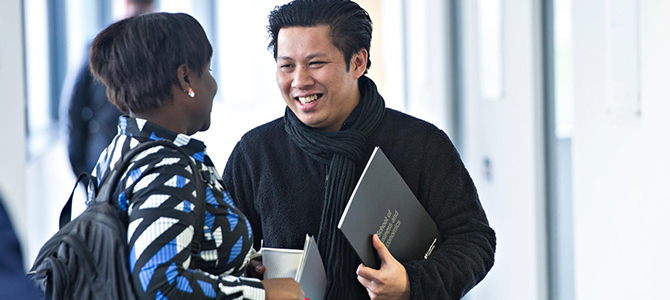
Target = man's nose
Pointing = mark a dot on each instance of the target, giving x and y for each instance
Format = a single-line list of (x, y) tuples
[(302, 78)]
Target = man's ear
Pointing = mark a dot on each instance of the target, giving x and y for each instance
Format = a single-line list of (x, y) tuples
[(182, 75), (359, 63)]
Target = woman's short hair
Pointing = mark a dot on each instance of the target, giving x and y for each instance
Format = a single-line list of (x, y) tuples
[(137, 58)]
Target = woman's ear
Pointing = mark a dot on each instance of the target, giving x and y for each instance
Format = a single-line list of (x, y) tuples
[(182, 76)]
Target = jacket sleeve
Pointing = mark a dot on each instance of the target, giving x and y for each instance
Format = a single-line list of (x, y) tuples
[(467, 250), (160, 231)]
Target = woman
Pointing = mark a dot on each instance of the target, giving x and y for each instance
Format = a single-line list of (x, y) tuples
[(156, 70)]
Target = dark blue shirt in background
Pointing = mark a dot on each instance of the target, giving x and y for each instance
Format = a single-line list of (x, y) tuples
[(14, 283)]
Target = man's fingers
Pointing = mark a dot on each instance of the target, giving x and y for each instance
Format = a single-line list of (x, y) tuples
[(371, 294), (383, 252), (369, 285), (366, 273), (365, 282)]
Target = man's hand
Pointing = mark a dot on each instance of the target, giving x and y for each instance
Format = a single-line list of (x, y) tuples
[(390, 281), (255, 269)]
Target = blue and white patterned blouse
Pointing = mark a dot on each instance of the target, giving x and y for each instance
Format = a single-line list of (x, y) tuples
[(158, 195)]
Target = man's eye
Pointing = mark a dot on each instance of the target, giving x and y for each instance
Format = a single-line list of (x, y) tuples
[(317, 63)]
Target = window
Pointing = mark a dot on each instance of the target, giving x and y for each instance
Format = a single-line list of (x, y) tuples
[(559, 124)]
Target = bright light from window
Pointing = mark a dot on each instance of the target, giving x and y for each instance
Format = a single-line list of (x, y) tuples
[(564, 103), (37, 65), (175, 6), (490, 48)]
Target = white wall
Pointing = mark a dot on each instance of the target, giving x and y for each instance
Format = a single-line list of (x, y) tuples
[(12, 114), (508, 132), (621, 178), (428, 62)]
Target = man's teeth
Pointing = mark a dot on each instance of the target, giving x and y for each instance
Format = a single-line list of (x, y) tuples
[(308, 99)]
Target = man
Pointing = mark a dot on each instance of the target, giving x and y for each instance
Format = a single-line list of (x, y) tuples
[(91, 119), (293, 176)]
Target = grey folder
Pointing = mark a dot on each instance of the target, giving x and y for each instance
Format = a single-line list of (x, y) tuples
[(382, 203), (311, 274)]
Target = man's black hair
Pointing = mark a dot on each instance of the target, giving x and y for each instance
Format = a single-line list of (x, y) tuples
[(350, 25)]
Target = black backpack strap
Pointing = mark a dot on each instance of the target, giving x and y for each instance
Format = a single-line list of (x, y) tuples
[(115, 175), (198, 233), (107, 190), (66, 212)]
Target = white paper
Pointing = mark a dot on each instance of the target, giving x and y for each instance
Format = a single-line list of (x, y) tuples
[(280, 263)]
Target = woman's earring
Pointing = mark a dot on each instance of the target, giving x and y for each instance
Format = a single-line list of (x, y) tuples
[(190, 92)]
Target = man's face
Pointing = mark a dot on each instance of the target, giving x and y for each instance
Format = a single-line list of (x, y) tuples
[(313, 78)]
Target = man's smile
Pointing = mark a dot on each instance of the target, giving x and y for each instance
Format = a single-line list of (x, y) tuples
[(308, 99)]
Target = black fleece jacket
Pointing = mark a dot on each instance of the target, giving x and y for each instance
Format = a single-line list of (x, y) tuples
[(281, 191)]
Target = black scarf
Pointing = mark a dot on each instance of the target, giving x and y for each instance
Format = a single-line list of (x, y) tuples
[(343, 151)]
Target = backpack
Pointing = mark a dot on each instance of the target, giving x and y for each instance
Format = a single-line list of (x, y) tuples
[(88, 257)]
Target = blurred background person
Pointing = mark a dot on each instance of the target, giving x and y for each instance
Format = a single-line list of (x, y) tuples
[(91, 119), (14, 283)]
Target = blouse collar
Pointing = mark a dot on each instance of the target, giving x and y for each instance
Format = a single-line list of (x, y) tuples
[(144, 130)]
